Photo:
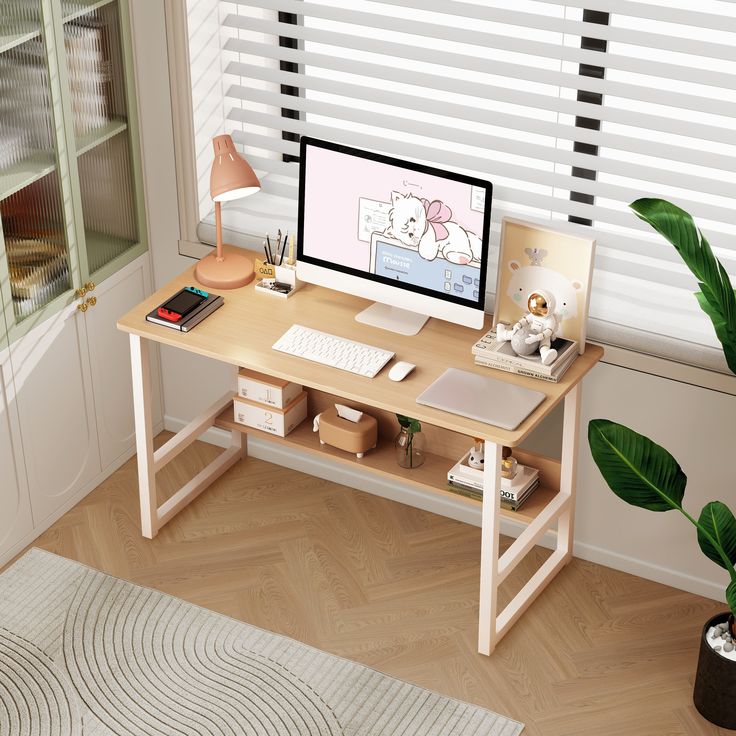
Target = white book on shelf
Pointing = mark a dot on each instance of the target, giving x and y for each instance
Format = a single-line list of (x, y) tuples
[(511, 489)]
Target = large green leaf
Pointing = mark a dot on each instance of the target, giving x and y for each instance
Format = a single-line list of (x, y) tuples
[(731, 596), (637, 470), (721, 328), (717, 297), (716, 518)]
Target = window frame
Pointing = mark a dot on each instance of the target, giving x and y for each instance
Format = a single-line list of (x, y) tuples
[(668, 363)]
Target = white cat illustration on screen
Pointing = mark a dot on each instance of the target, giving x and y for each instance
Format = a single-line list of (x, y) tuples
[(428, 227)]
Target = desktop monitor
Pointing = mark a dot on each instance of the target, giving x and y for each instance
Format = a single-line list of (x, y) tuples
[(411, 237)]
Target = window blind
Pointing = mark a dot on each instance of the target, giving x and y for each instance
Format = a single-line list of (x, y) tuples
[(572, 110)]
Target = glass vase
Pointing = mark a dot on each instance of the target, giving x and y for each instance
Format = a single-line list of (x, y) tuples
[(410, 448), (508, 464)]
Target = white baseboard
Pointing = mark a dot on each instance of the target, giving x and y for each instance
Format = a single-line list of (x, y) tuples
[(396, 491), (650, 571)]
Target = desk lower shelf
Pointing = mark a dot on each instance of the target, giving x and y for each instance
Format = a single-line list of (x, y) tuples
[(430, 477)]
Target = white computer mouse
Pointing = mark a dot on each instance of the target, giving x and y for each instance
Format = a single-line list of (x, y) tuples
[(399, 371)]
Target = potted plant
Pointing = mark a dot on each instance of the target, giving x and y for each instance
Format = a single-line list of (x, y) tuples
[(645, 475)]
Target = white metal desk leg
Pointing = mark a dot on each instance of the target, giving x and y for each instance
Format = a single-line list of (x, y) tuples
[(487, 637), (140, 362), (569, 470)]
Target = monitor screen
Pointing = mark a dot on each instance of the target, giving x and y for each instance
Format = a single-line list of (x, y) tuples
[(402, 224)]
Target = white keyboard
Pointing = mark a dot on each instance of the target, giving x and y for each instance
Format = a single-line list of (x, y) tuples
[(336, 352)]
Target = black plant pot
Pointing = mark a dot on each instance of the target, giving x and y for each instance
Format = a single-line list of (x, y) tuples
[(715, 681)]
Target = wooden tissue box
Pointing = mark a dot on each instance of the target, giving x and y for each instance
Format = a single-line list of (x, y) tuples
[(356, 437)]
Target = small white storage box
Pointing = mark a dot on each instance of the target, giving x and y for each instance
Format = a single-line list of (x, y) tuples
[(265, 389), (270, 419)]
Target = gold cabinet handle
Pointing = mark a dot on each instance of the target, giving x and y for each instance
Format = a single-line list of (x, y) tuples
[(83, 307), (91, 301), (84, 290)]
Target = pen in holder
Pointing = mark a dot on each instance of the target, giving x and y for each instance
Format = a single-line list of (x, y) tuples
[(278, 280)]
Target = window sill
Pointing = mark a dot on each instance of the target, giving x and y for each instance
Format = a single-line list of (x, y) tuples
[(714, 380)]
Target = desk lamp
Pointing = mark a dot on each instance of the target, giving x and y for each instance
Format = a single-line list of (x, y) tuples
[(231, 178)]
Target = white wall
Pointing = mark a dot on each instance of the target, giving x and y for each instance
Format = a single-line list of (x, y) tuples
[(191, 383), (694, 423), (157, 143)]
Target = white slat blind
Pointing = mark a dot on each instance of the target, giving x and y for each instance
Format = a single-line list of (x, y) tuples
[(572, 110)]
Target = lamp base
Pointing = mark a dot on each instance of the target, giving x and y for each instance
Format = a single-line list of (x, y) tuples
[(232, 272)]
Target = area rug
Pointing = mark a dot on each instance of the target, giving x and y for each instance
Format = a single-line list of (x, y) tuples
[(86, 654)]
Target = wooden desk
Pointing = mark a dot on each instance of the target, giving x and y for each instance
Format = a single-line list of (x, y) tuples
[(241, 333)]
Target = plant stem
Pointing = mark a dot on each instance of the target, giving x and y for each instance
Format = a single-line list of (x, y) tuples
[(659, 492)]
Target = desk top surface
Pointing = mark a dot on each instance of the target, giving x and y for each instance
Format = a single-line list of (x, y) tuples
[(243, 330)]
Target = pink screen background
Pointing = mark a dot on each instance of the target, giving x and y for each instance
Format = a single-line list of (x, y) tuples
[(336, 181)]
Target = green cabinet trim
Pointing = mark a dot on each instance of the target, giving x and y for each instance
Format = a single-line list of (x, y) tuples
[(30, 31), (135, 140), (92, 254), (91, 140), (25, 172)]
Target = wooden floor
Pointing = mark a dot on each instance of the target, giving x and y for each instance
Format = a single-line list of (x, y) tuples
[(396, 588)]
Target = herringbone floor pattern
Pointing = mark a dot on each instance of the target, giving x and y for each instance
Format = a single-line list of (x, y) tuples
[(396, 588)]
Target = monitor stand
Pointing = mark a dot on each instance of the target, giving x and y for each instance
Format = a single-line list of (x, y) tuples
[(392, 318)]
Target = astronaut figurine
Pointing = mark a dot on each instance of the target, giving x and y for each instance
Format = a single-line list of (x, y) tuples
[(536, 329)]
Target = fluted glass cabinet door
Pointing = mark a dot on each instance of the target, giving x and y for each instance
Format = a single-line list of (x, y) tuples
[(35, 262), (99, 105)]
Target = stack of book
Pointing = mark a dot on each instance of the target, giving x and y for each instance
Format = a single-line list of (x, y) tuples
[(212, 303), (90, 74), (494, 353), (39, 272), (467, 481), (25, 103)]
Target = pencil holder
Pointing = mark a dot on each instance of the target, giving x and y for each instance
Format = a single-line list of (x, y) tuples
[(284, 275), (287, 275)]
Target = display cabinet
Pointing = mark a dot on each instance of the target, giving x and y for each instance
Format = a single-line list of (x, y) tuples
[(72, 255), (71, 207)]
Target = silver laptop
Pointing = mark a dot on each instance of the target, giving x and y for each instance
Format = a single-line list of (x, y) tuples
[(481, 397)]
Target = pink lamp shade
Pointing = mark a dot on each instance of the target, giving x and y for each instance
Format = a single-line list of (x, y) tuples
[(231, 178)]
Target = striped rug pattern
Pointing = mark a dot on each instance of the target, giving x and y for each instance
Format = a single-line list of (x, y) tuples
[(86, 654)]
